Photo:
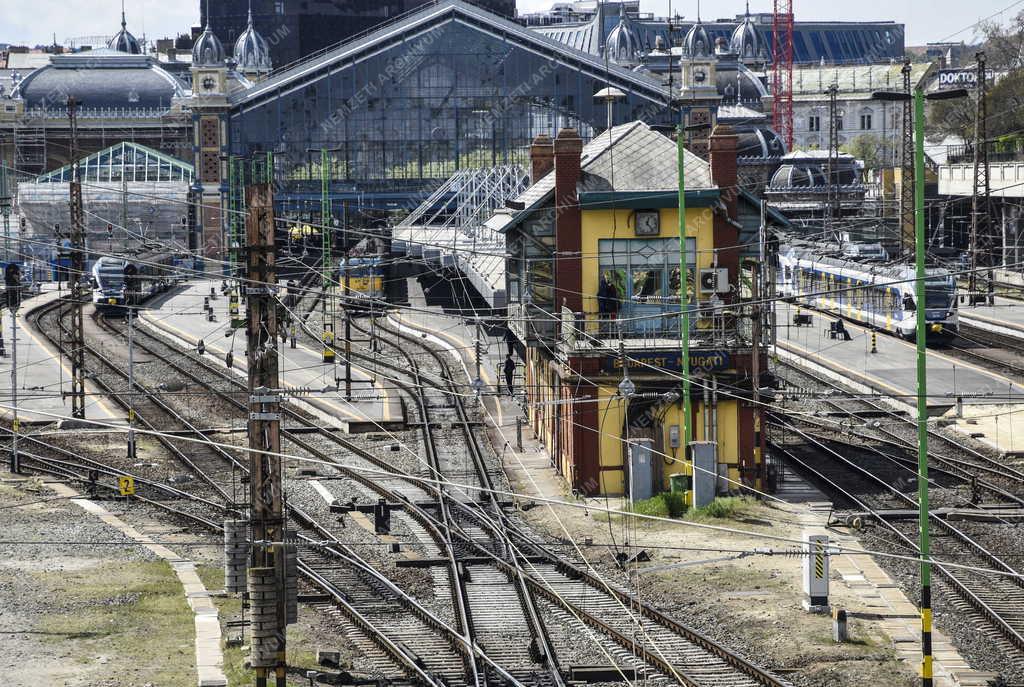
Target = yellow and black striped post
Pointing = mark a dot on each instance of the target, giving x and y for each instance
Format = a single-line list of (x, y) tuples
[(874, 341)]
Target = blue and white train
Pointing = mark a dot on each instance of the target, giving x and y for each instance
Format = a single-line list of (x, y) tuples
[(881, 296), (120, 282)]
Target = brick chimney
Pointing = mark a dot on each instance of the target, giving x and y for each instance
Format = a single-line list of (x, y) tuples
[(723, 166), (542, 157), (723, 145), (568, 243)]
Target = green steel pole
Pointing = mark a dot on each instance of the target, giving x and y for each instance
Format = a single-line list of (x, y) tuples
[(325, 217), (922, 393), (684, 301)]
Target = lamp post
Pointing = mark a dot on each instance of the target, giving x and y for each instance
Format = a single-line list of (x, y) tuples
[(922, 370)]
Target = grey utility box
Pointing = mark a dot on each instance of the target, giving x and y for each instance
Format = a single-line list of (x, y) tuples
[(641, 469), (705, 472)]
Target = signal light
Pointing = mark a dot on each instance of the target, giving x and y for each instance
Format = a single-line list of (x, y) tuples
[(12, 280)]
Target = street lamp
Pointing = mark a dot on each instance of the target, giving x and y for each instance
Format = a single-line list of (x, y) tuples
[(922, 371)]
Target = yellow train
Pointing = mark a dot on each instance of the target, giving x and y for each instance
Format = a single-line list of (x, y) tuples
[(362, 279)]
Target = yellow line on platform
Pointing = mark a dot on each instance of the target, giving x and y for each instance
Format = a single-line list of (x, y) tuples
[(60, 361)]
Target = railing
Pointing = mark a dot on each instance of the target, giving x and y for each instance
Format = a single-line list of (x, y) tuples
[(710, 325), (100, 113), (1011, 150)]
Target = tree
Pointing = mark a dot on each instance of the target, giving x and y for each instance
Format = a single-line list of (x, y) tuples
[(871, 149)]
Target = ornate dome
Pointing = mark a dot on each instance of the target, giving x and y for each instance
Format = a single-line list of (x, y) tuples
[(252, 54), (101, 79), (797, 176), (123, 41), (208, 50), (697, 42), (623, 43), (747, 41)]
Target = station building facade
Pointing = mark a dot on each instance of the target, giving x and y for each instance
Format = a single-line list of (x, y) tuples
[(593, 282)]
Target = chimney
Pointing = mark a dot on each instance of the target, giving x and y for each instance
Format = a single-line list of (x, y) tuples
[(724, 176), (568, 242), (542, 157), (723, 166)]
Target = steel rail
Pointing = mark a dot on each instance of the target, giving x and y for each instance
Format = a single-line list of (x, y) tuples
[(997, 619)]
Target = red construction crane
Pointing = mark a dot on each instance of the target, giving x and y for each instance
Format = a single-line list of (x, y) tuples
[(782, 70)]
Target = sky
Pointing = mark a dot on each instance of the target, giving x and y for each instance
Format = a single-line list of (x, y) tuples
[(35, 21)]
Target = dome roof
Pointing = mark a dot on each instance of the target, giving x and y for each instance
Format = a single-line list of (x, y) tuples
[(797, 176), (760, 142), (252, 54), (123, 41), (208, 50), (623, 42), (100, 79), (747, 41), (737, 83), (697, 42)]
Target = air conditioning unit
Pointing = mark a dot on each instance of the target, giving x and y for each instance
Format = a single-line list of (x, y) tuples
[(714, 280)]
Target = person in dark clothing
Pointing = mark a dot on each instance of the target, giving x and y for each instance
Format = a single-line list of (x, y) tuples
[(840, 330), (510, 372), (510, 340), (604, 300)]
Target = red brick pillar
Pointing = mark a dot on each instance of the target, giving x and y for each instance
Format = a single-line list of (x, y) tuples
[(542, 157), (568, 243), (724, 175)]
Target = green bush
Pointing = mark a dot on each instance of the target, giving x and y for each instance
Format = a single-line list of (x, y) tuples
[(654, 506), (674, 503)]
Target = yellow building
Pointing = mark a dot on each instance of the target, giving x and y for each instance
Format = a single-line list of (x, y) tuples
[(593, 284)]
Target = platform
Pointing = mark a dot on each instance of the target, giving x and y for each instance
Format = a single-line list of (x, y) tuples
[(993, 405), (1005, 317), (43, 375), (182, 318)]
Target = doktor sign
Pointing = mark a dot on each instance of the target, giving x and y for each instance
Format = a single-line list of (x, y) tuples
[(959, 78)]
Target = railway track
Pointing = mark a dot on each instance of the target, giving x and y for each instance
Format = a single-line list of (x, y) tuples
[(669, 651), (976, 345), (880, 423), (995, 597)]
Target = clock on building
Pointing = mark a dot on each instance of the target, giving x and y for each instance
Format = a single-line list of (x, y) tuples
[(648, 223), (209, 83)]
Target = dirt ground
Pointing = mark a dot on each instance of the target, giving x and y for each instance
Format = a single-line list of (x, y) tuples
[(750, 603), (88, 607)]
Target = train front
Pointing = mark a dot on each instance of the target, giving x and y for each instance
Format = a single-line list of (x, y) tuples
[(941, 310), (109, 288)]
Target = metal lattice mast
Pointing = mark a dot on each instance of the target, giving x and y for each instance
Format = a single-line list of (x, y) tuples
[(782, 69), (77, 343), (983, 241), (832, 206), (5, 208), (907, 170), (326, 309), (325, 217)]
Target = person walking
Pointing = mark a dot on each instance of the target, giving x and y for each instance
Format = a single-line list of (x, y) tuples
[(510, 371)]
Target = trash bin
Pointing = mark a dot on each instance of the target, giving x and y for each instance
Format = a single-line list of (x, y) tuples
[(679, 483)]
